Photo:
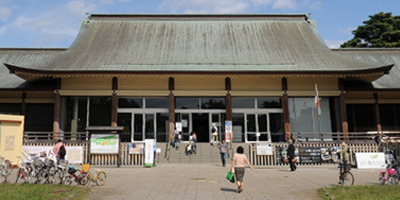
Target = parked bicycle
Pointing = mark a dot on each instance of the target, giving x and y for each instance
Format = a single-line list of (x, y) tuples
[(388, 176), (75, 176), (23, 172), (60, 172), (99, 178), (6, 170), (346, 178)]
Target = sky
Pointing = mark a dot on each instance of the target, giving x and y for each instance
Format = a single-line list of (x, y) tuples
[(56, 23)]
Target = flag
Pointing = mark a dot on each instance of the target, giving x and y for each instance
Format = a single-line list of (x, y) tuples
[(317, 100)]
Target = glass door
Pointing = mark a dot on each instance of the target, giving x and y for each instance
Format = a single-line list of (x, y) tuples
[(258, 127), (186, 120)]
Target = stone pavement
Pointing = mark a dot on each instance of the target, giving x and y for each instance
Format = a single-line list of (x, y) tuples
[(207, 181)]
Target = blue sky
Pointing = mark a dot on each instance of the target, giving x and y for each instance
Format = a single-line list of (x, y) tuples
[(55, 23)]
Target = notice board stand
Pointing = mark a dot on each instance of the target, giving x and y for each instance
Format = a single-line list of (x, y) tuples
[(106, 136)]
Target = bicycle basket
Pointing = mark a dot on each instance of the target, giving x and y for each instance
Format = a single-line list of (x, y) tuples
[(85, 167), (38, 163), (347, 167), (48, 162)]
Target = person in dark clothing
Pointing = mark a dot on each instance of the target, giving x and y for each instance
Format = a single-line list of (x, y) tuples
[(291, 156)]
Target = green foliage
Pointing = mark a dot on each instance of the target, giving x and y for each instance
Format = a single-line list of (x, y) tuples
[(42, 192), (370, 192), (381, 30)]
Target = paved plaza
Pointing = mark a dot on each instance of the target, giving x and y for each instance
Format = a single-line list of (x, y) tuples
[(207, 181)]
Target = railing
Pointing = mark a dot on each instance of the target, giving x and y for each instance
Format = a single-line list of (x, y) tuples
[(272, 160), (30, 136), (107, 160)]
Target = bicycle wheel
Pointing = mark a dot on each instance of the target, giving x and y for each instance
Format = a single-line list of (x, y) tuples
[(6, 175), (59, 176), (19, 175), (382, 178), (101, 178), (347, 179), (69, 180), (392, 180), (85, 179)]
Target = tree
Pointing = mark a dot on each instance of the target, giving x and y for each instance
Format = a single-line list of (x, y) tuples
[(381, 30)]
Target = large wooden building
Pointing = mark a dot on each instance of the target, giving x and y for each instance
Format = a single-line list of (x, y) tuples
[(146, 72)]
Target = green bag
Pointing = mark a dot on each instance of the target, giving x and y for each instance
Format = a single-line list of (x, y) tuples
[(230, 176)]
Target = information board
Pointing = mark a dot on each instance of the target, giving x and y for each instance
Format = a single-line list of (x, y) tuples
[(310, 154), (104, 143)]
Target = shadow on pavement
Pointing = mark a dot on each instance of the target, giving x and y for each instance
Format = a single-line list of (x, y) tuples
[(228, 190)]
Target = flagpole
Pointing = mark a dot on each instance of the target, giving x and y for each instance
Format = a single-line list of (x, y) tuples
[(318, 105)]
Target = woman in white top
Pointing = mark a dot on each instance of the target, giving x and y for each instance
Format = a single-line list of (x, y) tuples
[(238, 164)]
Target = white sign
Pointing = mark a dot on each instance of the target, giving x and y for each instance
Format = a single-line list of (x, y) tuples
[(178, 126), (228, 131), (264, 149), (148, 152), (74, 154), (104, 143), (370, 160)]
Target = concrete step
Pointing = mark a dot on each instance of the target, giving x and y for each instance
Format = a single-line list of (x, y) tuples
[(205, 153)]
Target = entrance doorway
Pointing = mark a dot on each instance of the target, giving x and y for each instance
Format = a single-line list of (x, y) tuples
[(201, 126)]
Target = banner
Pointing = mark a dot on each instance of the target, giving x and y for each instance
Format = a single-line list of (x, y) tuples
[(74, 154), (149, 152), (370, 160), (228, 131), (104, 143)]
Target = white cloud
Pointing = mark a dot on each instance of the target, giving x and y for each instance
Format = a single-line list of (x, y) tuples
[(348, 30), (333, 44), (5, 11), (204, 6), (285, 4)]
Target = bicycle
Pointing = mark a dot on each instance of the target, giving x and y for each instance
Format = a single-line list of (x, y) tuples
[(59, 174), (24, 170), (346, 178), (99, 178), (73, 177), (389, 177), (6, 170)]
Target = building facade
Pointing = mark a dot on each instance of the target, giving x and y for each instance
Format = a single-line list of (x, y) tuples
[(148, 72)]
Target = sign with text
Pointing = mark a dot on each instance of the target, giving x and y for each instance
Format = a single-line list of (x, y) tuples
[(228, 131), (264, 149), (104, 143), (370, 160)]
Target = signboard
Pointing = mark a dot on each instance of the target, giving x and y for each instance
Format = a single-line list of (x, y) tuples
[(264, 149), (178, 126), (149, 152), (104, 143), (281, 155), (310, 154), (228, 130), (74, 153), (135, 148), (370, 160)]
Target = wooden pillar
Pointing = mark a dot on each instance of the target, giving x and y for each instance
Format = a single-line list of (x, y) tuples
[(285, 104), (343, 112), (114, 102), (228, 99), (57, 106), (377, 114), (171, 87), (23, 104)]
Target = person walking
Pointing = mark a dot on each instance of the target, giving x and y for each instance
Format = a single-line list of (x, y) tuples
[(214, 131), (60, 151), (291, 156), (239, 159), (224, 151)]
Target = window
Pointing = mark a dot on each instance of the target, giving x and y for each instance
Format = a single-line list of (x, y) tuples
[(187, 102), (361, 117), (243, 102), (100, 111), (77, 114), (390, 116), (130, 102), (213, 103), (157, 103), (39, 117), (269, 103)]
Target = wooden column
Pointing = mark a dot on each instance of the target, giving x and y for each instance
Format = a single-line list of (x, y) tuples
[(285, 104), (171, 87), (377, 114), (114, 102), (228, 99), (343, 112), (23, 103), (57, 106)]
